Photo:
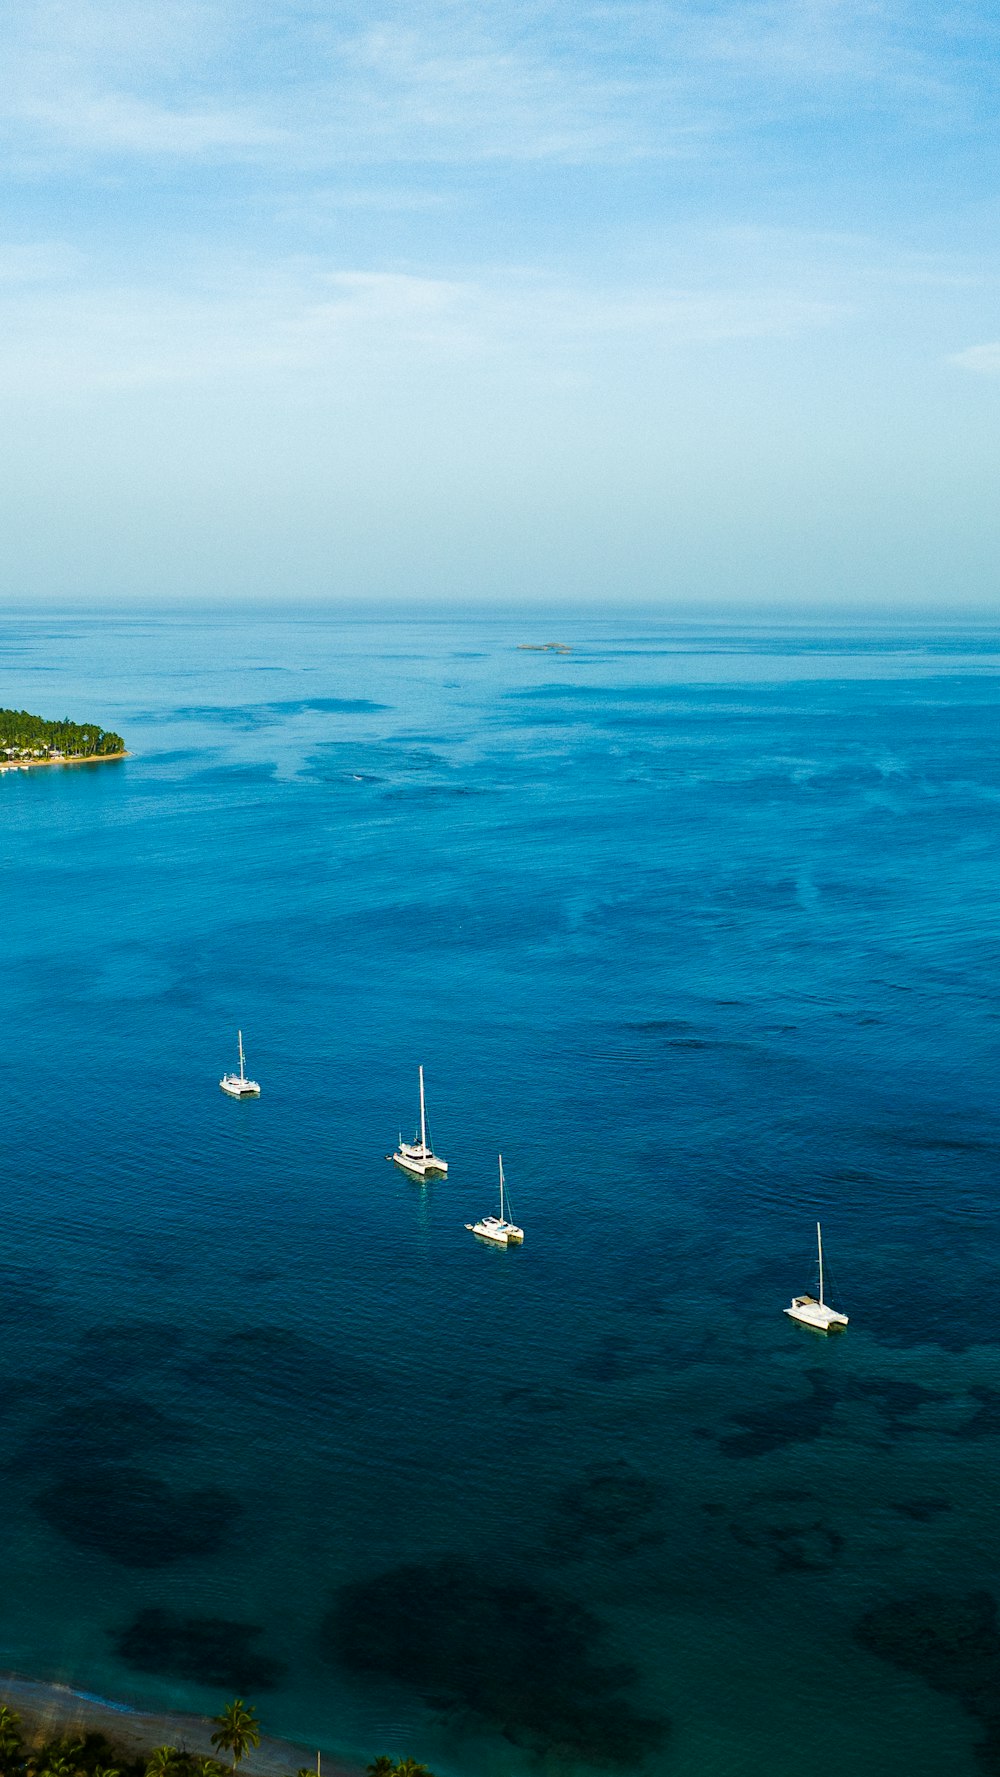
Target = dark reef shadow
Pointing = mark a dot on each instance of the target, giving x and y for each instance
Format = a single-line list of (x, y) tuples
[(782, 1423), (814, 1547), (206, 1650), (136, 1519), (952, 1643), (610, 1510), (528, 1398), (617, 1358), (985, 1421), (897, 1398), (921, 1511), (273, 1366), (503, 1652), (98, 1428), (806, 1417)]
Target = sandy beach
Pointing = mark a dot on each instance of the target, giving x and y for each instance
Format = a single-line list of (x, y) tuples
[(88, 759), (50, 1709)]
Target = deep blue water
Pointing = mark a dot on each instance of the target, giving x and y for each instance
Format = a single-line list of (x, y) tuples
[(699, 925)]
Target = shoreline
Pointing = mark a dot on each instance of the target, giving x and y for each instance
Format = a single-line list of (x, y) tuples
[(83, 759), (47, 1708)]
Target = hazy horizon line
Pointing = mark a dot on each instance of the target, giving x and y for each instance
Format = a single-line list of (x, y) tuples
[(480, 608)]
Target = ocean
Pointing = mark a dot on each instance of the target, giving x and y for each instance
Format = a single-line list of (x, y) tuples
[(697, 924)]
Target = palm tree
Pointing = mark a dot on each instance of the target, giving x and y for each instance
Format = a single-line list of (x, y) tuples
[(238, 1730), (59, 1758), (382, 1767), (11, 1744), (164, 1761), (60, 1764), (408, 1767), (208, 1767)]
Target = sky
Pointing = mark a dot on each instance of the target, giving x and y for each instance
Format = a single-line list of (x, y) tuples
[(535, 300)]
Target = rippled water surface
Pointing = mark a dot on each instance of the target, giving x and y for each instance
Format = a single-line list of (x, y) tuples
[(699, 925)]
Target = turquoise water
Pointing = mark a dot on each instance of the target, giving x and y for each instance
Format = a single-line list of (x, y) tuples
[(699, 925)]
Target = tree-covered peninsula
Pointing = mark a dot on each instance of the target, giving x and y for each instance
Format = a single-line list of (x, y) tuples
[(23, 736)]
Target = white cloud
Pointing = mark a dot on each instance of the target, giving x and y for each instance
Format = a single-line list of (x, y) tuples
[(477, 95), (249, 323), (543, 80), (985, 359), (136, 79), (117, 123), (814, 41)]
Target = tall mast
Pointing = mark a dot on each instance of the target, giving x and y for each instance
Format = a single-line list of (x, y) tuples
[(500, 1158), (242, 1075), (819, 1246), (423, 1116)]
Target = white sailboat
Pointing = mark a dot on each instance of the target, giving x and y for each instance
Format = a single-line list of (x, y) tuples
[(237, 1085), (812, 1313), (500, 1229), (415, 1156)]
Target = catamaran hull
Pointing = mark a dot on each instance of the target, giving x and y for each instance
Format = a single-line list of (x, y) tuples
[(501, 1234), (487, 1234), (817, 1316), (240, 1089), (432, 1167)]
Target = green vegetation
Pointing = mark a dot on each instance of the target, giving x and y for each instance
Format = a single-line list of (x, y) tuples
[(93, 1755), (406, 1767), (237, 1731), (65, 1756), (10, 1738), (21, 733), (166, 1761)]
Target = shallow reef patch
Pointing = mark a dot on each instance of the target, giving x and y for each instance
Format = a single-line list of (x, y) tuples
[(206, 1650), (953, 1644), (985, 1421), (97, 1428), (528, 1398), (134, 1518), (796, 1421), (520, 1660), (793, 1548), (616, 1359), (806, 1417), (897, 1397), (273, 1365), (609, 1510), (921, 1510)]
